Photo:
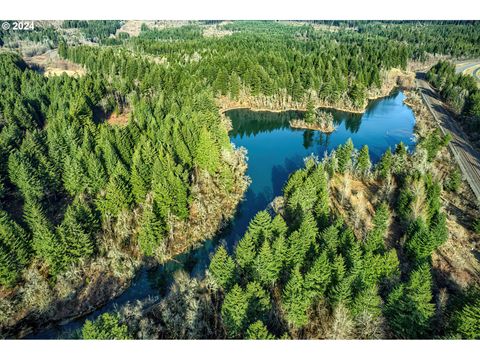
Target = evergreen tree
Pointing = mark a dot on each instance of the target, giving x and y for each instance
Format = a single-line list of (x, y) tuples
[(409, 309), (266, 271), (207, 154), (385, 164), (222, 268), (258, 331), (234, 311), (295, 301), (151, 231), (375, 238), (317, 278), (14, 250), (363, 161), (106, 327)]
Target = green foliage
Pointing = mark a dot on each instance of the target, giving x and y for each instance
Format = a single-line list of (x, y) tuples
[(344, 154), (409, 308), (375, 238), (222, 268), (14, 250), (207, 155), (258, 331), (266, 271), (454, 181), (105, 327), (434, 142), (384, 166), (363, 161), (295, 300)]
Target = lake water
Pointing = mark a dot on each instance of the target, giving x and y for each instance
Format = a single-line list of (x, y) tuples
[(274, 151)]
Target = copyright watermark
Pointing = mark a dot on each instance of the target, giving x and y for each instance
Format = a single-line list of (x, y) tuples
[(18, 25)]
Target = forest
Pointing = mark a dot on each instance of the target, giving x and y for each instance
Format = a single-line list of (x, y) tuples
[(85, 202), (304, 273)]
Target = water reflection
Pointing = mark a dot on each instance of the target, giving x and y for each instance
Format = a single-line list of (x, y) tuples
[(274, 151)]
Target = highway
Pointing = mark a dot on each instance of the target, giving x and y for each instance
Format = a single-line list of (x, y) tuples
[(469, 68), (467, 157)]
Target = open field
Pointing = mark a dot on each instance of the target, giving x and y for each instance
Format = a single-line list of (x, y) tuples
[(50, 64)]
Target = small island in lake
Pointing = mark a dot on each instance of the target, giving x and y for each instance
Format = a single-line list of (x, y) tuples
[(315, 119)]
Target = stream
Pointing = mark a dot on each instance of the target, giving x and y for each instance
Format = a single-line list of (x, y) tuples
[(274, 151)]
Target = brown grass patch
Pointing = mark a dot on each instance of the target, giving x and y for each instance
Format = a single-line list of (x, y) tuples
[(119, 119), (50, 64)]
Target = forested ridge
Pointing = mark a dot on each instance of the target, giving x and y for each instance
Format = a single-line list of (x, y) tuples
[(71, 184), (84, 200)]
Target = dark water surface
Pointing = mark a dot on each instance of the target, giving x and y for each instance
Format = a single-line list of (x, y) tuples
[(274, 151)]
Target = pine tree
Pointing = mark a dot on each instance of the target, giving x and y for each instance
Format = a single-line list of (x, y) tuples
[(317, 278), (295, 301), (466, 321), (259, 304), (207, 153), (258, 331), (266, 271), (142, 164), (222, 268), (234, 86), (106, 327), (118, 196), (14, 250), (409, 308), (245, 253), (363, 161), (385, 164), (344, 156), (77, 231), (375, 238), (260, 227), (234, 311), (310, 113), (44, 241), (151, 232), (322, 205)]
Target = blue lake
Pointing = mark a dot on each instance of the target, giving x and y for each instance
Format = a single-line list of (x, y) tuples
[(274, 151)]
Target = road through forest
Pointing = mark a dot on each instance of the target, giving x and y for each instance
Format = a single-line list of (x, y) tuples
[(467, 157)]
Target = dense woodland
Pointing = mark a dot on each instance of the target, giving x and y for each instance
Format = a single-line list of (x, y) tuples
[(74, 188), (303, 273)]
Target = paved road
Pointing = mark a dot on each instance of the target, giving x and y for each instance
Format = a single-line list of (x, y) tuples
[(471, 67), (466, 156)]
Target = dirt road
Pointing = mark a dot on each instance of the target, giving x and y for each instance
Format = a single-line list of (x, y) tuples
[(467, 157)]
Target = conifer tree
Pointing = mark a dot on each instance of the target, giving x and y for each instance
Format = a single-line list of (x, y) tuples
[(409, 308), (295, 301), (151, 231), (207, 154), (245, 253), (385, 164), (258, 331), (266, 272), (234, 311), (375, 238), (106, 327), (363, 161), (44, 241), (14, 250), (222, 268), (317, 278), (118, 196)]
